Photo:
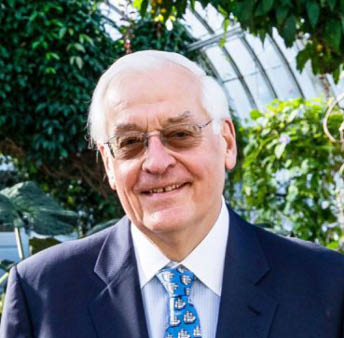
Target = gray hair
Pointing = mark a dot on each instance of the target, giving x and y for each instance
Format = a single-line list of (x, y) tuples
[(213, 98)]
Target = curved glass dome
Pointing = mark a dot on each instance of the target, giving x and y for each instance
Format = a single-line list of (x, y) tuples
[(251, 72)]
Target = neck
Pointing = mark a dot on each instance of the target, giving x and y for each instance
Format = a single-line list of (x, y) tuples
[(176, 246)]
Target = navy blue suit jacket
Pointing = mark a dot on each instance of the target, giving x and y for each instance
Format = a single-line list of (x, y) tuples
[(273, 287)]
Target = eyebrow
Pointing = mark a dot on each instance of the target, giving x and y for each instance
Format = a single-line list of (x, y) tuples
[(183, 117), (127, 127)]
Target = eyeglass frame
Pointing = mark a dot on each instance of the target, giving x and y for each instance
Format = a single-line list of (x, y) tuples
[(147, 135)]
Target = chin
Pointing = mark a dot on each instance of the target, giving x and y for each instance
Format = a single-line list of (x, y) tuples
[(160, 222)]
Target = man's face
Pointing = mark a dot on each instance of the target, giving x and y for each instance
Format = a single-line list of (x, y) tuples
[(194, 177)]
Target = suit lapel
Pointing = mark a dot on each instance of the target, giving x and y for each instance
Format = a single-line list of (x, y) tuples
[(117, 311), (246, 311)]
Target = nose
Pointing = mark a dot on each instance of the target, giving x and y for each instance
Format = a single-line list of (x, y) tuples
[(157, 159)]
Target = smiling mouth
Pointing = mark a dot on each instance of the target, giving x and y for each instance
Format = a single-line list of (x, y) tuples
[(164, 189)]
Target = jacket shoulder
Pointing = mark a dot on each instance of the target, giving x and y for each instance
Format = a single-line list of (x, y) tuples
[(68, 257), (300, 255), (292, 254)]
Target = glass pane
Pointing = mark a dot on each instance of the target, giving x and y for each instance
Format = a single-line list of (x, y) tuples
[(222, 65), (213, 18), (282, 82), (241, 57), (196, 29), (309, 84), (260, 91), (239, 98), (113, 32), (265, 52), (110, 12), (338, 88), (290, 53)]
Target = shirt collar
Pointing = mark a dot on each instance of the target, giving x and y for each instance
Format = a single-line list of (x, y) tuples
[(206, 261)]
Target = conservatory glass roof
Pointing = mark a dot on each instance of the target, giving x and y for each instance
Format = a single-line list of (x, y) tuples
[(251, 72)]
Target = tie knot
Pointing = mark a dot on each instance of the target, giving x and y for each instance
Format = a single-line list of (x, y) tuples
[(177, 281)]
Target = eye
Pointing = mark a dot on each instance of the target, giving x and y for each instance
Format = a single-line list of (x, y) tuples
[(129, 141), (179, 133)]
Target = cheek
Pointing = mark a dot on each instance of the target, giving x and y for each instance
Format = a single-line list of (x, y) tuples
[(210, 170), (126, 175)]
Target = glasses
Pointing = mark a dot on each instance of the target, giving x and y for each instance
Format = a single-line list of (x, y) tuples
[(128, 144)]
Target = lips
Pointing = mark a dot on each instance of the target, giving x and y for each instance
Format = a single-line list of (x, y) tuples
[(167, 188)]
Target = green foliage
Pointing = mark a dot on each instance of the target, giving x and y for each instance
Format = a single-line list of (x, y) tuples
[(2, 302), (320, 23), (5, 266), (102, 226), (149, 34), (39, 244), (287, 177), (9, 216), (27, 205), (51, 56)]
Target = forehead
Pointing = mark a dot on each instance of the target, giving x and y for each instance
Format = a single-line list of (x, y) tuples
[(166, 92)]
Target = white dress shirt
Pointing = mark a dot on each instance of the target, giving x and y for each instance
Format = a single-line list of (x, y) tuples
[(206, 261)]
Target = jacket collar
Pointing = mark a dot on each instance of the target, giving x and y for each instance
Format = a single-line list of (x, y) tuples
[(246, 310), (118, 311)]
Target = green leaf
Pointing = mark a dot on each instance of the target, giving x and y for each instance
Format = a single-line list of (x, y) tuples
[(102, 226), (79, 47), (226, 23), (264, 7), (84, 37), (192, 5), (333, 245), (41, 211), (143, 8), (35, 44), (289, 30), (245, 10), (9, 216), (313, 11), (79, 62), (332, 4), (279, 150), (137, 4), (285, 2), (292, 115), (222, 41), (281, 14), (336, 75), (39, 244), (342, 21), (181, 7), (255, 114), (302, 57), (333, 33)]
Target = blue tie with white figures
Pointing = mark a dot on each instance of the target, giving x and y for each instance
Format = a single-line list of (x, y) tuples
[(183, 318)]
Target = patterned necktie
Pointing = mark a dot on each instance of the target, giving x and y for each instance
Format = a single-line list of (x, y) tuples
[(183, 318)]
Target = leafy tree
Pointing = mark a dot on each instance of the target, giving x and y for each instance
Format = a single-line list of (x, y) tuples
[(318, 22), (25, 205), (287, 178), (51, 56)]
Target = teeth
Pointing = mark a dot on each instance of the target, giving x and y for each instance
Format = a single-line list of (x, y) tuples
[(166, 189)]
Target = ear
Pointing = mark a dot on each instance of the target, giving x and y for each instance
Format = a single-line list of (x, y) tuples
[(108, 164), (228, 134)]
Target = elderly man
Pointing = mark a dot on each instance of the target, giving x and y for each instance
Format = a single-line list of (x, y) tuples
[(181, 264)]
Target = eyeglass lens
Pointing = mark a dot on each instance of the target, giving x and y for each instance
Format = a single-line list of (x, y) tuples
[(130, 144)]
